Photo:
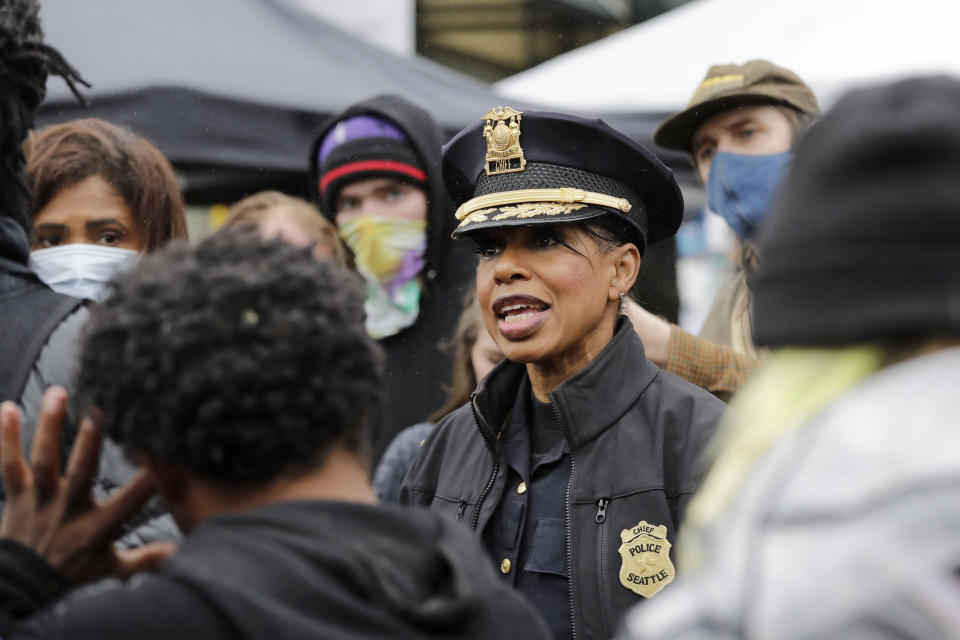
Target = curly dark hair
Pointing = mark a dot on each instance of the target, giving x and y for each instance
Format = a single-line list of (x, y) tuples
[(238, 360)]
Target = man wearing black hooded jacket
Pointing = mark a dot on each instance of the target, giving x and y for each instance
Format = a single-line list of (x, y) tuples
[(375, 172), (239, 375)]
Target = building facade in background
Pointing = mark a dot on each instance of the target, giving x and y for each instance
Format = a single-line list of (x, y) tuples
[(493, 39)]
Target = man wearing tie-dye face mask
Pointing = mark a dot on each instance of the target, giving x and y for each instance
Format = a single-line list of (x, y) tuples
[(376, 171)]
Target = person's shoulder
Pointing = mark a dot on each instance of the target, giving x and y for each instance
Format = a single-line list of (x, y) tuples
[(142, 607), (456, 436), (455, 424), (397, 460), (60, 352), (674, 389)]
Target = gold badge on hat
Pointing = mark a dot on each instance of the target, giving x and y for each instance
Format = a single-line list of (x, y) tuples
[(646, 567), (502, 132)]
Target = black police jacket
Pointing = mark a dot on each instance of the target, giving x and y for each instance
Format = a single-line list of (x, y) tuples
[(636, 435)]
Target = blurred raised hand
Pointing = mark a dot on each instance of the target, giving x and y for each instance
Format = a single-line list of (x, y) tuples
[(55, 514)]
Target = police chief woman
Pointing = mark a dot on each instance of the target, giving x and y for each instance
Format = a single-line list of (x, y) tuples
[(575, 457)]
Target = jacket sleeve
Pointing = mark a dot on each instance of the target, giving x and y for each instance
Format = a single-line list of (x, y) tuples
[(36, 602), (27, 584), (711, 366)]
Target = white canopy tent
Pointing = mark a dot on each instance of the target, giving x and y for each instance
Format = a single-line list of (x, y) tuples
[(832, 44)]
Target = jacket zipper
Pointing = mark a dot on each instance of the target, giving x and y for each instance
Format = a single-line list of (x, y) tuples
[(460, 509), (573, 618), (601, 518), (493, 475)]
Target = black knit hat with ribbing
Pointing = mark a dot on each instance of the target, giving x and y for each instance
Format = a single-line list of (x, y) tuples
[(864, 240), (361, 147)]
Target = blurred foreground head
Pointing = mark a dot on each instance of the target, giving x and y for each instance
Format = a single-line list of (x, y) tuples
[(864, 241), (238, 360)]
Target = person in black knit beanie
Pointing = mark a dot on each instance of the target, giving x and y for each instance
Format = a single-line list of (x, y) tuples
[(375, 174), (831, 507)]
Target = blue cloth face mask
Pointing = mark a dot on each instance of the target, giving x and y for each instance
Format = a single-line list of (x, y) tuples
[(81, 270), (740, 188)]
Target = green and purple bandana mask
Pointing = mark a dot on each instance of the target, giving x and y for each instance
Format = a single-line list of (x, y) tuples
[(389, 254)]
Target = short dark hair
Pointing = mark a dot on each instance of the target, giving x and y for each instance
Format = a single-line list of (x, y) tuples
[(239, 360), (62, 155)]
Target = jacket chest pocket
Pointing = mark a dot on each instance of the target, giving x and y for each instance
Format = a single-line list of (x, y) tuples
[(548, 551)]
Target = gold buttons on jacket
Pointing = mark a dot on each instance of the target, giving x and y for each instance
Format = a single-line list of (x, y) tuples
[(522, 488), (505, 566)]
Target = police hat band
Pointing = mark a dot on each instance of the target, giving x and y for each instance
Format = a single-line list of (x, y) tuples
[(563, 195)]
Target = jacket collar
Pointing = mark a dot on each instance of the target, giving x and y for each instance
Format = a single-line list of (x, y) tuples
[(589, 401)]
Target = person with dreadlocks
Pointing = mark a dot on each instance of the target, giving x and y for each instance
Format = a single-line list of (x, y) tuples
[(39, 327)]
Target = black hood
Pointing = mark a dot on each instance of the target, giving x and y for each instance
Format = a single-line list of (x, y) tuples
[(427, 139), (14, 248), (14, 244), (339, 570)]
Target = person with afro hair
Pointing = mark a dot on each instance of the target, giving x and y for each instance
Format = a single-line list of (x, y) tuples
[(240, 376)]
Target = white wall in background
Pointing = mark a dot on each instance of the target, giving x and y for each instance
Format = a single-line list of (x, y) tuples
[(389, 24)]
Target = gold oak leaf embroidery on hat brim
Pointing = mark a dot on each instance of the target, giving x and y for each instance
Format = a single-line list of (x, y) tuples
[(526, 210)]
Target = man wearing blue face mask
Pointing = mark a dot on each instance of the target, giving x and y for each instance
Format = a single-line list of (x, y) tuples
[(739, 129)]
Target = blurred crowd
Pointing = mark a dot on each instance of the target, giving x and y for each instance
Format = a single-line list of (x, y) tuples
[(430, 400)]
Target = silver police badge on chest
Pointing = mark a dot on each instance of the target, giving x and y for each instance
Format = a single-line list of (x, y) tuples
[(646, 567)]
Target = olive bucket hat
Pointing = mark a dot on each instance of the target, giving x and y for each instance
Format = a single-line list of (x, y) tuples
[(727, 86)]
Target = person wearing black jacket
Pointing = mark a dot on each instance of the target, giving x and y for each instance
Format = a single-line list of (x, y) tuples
[(576, 456), (38, 328), (375, 173), (239, 374)]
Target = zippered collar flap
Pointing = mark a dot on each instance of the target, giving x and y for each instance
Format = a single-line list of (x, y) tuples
[(594, 398), (588, 402), (494, 398)]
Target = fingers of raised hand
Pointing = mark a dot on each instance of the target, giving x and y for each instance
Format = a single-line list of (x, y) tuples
[(45, 451), (124, 502), (16, 474), (82, 466), (143, 558)]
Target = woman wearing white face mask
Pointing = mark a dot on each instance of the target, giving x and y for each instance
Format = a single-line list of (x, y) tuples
[(102, 195)]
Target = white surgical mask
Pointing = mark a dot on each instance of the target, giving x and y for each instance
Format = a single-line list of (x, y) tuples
[(81, 270)]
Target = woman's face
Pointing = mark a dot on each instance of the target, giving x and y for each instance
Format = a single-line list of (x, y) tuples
[(88, 212), (549, 293)]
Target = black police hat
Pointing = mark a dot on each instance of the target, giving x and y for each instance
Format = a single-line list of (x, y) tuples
[(519, 168)]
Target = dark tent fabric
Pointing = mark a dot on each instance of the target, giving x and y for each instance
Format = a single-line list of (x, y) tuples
[(233, 90), (233, 84)]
